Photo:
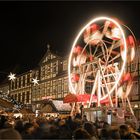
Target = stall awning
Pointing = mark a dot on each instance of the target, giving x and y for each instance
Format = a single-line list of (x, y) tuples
[(5, 103)]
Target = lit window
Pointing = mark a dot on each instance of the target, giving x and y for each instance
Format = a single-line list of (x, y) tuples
[(54, 69), (27, 97), (48, 71), (15, 96), (133, 67), (42, 72), (65, 85), (15, 83), (59, 96), (28, 79), (19, 97), (23, 82), (59, 86), (65, 65)]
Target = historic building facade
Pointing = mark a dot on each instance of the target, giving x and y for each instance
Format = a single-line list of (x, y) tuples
[(53, 82), (53, 79), (134, 69), (20, 88)]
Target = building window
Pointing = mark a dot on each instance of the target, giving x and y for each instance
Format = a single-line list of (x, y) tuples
[(133, 67), (59, 96), (48, 71), (42, 72), (15, 96), (135, 88), (12, 96), (19, 97), (28, 79), (128, 67), (23, 97), (59, 86), (65, 85), (15, 83), (48, 88), (54, 69), (139, 66), (23, 84), (54, 87), (42, 89), (12, 84), (27, 96), (65, 65), (19, 85)]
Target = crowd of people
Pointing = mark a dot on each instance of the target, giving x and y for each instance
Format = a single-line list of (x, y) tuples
[(71, 128)]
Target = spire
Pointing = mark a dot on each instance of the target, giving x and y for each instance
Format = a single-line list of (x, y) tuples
[(48, 46)]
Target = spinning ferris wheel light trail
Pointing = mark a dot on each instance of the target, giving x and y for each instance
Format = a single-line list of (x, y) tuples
[(80, 33), (98, 58)]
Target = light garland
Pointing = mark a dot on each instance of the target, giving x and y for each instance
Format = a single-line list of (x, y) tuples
[(16, 104)]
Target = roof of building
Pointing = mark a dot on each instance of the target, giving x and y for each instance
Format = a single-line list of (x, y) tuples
[(52, 106), (5, 103)]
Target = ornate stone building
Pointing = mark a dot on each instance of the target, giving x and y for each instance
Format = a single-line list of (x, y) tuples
[(53, 82), (20, 88), (53, 79), (134, 69)]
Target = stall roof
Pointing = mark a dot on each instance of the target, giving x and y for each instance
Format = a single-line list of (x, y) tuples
[(60, 106), (5, 103), (55, 106)]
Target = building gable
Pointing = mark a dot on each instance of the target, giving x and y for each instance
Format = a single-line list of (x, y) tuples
[(49, 56)]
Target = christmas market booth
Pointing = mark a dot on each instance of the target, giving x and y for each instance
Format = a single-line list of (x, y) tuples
[(4, 104), (55, 108)]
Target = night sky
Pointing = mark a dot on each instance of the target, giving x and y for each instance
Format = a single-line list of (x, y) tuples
[(27, 27)]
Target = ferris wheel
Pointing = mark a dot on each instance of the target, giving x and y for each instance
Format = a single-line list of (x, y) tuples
[(97, 61)]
